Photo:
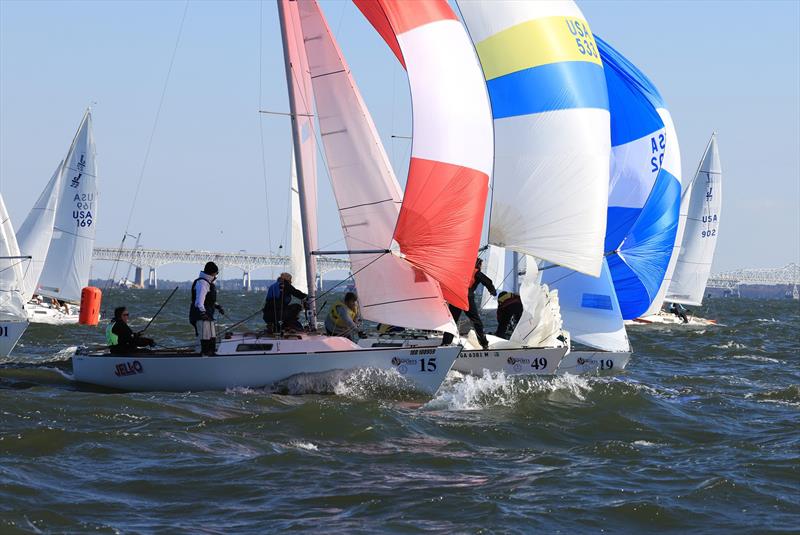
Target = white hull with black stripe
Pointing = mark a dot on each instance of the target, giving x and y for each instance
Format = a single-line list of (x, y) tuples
[(10, 333), (501, 356), (583, 362), (256, 361)]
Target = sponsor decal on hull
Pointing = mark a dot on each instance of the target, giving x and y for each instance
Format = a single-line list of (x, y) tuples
[(128, 368)]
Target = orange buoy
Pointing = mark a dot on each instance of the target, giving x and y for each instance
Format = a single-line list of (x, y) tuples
[(90, 306)]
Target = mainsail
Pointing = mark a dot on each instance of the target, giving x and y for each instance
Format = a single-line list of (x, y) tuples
[(11, 273), (643, 195), (439, 227), (69, 257), (36, 231), (390, 289), (551, 124), (704, 197)]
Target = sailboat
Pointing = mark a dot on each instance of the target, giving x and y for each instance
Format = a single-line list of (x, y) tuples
[(13, 318), (702, 202), (254, 360), (642, 222), (65, 235)]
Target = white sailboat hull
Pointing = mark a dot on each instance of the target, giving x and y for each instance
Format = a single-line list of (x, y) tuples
[(41, 313), (274, 360), (583, 362), (510, 360), (10, 333)]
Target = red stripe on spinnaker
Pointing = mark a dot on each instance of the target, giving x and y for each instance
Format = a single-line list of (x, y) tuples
[(393, 17), (439, 228)]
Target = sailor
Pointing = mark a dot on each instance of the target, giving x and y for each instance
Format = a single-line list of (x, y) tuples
[(509, 311), (473, 313), (277, 312), (120, 337), (680, 311), (201, 311), (343, 318)]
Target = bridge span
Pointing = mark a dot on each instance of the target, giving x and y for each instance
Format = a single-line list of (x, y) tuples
[(788, 275), (154, 258)]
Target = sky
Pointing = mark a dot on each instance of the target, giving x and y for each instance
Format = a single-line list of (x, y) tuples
[(210, 184)]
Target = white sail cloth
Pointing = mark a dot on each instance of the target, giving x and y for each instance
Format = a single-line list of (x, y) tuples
[(704, 198), (297, 254), (36, 231), (494, 268), (367, 194), (589, 308), (11, 273), (541, 323), (551, 123), (69, 257)]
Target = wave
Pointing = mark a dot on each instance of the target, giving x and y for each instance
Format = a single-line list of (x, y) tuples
[(789, 396)]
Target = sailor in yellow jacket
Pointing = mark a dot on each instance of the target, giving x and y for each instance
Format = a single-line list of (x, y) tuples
[(343, 318)]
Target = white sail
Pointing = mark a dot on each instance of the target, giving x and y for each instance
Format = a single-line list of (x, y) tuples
[(11, 271), (69, 257), (541, 323), (589, 307), (551, 123), (672, 164), (390, 290), (36, 231), (704, 195), (298, 256), (494, 268)]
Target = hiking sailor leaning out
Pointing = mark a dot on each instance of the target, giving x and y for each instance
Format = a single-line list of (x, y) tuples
[(201, 311), (343, 318), (279, 313), (121, 338)]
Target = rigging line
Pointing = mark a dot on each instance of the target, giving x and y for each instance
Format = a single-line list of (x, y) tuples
[(158, 114), (260, 122)]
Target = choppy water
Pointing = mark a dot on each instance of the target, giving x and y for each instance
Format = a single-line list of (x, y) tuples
[(700, 434)]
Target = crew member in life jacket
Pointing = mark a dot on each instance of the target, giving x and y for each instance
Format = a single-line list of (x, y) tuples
[(680, 311), (343, 319), (279, 312), (473, 313), (201, 311), (121, 338), (509, 311)]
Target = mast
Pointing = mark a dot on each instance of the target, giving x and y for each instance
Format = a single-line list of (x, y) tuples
[(311, 262)]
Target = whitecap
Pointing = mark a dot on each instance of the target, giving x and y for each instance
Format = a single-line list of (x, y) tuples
[(299, 444)]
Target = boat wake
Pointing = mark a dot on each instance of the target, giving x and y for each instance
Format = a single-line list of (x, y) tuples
[(361, 384), (467, 392)]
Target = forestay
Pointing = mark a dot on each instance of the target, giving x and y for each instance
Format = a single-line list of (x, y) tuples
[(702, 226), (589, 308), (69, 257), (36, 231), (643, 194), (390, 289), (551, 123), (439, 226), (11, 272)]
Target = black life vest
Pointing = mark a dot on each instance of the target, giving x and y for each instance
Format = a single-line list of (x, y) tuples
[(208, 302)]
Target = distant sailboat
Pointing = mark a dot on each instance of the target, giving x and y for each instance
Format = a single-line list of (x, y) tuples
[(13, 318), (702, 204), (69, 254)]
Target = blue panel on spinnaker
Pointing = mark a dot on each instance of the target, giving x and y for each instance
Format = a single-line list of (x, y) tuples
[(644, 198), (641, 262)]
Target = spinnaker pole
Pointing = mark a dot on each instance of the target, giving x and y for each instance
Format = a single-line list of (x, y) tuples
[(311, 261)]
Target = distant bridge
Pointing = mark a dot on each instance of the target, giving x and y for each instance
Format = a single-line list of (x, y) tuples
[(247, 262), (731, 280)]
